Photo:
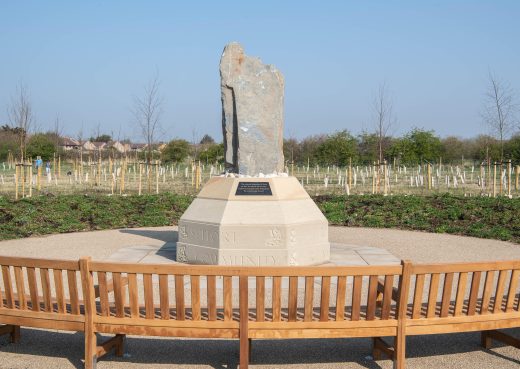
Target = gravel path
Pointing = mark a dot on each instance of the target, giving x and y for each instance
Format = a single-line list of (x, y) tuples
[(51, 349)]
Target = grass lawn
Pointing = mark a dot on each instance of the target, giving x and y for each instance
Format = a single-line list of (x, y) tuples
[(484, 217)]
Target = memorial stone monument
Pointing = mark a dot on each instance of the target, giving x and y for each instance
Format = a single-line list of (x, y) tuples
[(253, 214)]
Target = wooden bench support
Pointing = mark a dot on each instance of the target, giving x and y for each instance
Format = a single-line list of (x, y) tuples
[(245, 342), (13, 330), (116, 342), (381, 347), (488, 336)]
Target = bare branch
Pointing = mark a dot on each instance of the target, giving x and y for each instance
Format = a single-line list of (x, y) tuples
[(500, 109), (21, 116), (384, 119), (147, 113)]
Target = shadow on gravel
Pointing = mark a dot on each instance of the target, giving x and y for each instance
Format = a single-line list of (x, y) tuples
[(223, 354), (165, 236)]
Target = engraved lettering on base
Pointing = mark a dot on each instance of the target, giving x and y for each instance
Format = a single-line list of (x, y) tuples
[(182, 232), (181, 254), (292, 236), (229, 237), (276, 238), (292, 259)]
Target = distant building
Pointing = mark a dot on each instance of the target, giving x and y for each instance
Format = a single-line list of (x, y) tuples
[(119, 146), (67, 144), (138, 147), (94, 146)]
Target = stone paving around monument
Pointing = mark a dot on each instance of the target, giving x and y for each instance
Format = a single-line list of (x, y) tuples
[(341, 254)]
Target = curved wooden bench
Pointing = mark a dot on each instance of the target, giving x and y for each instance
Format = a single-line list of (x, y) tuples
[(455, 298), (249, 303), (45, 293)]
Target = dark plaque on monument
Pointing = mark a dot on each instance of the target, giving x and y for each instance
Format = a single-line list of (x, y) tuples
[(253, 189)]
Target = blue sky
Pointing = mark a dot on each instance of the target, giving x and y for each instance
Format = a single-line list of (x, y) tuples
[(85, 60)]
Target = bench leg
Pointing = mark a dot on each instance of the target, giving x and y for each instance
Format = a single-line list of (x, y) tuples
[(485, 340), (90, 350), (399, 354), (116, 342), (381, 347), (488, 336), (120, 348), (250, 341), (244, 353), (15, 334), (13, 330)]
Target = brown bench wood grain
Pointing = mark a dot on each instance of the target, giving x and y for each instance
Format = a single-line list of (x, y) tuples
[(248, 303)]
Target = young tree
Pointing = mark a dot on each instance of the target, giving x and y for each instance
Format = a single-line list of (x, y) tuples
[(21, 116), (58, 132), (40, 144), (176, 151), (147, 112), (207, 140), (499, 109), (383, 111)]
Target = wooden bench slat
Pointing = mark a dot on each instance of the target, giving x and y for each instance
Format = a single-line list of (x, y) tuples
[(293, 298), (418, 296), (118, 295), (164, 296), (266, 271), (228, 298), (212, 297), (8, 288), (103, 294), (499, 295), (179, 297), (195, 297), (46, 289), (20, 287), (432, 295), (486, 294), (133, 295), (446, 294), (309, 299), (341, 293), (511, 294), (276, 298), (1, 298), (461, 292), (39, 263), (260, 299), (356, 297), (72, 282), (58, 286), (372, 297), (387, 297), (148, 296), (33, 289), (325, 298), (473, 294)]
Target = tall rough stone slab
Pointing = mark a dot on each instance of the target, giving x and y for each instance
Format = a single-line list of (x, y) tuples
[(252, 113)]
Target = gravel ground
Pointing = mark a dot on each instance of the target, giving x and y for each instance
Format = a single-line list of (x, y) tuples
[(52, 349)]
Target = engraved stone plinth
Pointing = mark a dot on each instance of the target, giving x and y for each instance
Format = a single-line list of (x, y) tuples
[(253, 221)]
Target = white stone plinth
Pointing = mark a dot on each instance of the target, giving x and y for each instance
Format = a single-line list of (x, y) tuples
[(226, 228)]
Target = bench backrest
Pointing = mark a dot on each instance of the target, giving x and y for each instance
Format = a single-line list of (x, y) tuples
[(321, 294), (41, 286), (164, 292), (270, 294), (263, 294), (463, 289)]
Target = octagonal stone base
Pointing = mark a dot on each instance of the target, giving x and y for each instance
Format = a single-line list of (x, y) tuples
[(224, 227)]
